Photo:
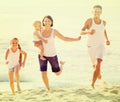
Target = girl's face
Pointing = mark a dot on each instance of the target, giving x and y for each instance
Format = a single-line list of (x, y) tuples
[(97, 12), (37, 26), (47, 22), (14, 43)]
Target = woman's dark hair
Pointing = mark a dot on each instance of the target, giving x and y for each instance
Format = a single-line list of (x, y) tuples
[(50, 18)]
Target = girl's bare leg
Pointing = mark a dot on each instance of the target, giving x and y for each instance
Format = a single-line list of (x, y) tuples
[(18, 78), (11, 78)]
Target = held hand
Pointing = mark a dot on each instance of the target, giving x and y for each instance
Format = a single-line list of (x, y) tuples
[(45, 41), (107, 42), (92, 32), (79, 38)]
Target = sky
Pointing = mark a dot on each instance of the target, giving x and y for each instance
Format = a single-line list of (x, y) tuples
[(17, 16)]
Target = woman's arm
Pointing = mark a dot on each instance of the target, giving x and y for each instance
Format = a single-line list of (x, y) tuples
[(25, 56), (60, 36), (39, 37)]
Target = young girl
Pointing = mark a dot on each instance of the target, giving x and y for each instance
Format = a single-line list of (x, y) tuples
[(14, 61), (38, 40)]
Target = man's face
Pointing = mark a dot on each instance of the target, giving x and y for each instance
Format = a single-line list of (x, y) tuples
[(97, 12)]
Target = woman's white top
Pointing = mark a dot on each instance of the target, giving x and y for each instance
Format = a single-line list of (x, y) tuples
[(49, 48)]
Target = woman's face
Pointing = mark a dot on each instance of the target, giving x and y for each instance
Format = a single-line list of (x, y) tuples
[(47, 22)]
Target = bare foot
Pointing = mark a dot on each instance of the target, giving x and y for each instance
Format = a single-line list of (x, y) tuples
[(18, 88), (48, 89), (13, 93), (62, 62), (92, 85)]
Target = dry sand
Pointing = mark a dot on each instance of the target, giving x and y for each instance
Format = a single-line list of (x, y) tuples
[(104, 93)]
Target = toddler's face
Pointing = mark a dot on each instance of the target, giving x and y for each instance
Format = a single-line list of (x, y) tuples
[(37, 26)]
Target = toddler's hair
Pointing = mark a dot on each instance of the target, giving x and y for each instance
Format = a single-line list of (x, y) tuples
[(36, 23)]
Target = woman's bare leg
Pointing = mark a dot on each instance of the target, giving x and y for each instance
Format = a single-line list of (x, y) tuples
[(61, 68), (45, 80)]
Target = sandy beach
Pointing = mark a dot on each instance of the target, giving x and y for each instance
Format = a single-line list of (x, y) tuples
[(16, 20), (103, 93)]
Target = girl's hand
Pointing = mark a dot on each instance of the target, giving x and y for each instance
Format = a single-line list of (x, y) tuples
[(23, 64), (6, 62), (107, 42), (92, 32)]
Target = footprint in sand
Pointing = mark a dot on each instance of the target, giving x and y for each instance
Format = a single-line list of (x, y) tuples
[(30, 98), (114, 91)]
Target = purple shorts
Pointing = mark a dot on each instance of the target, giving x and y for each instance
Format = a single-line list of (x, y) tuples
[(53, 62)]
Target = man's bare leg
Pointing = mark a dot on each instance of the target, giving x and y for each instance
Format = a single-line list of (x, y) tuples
[(96, 72)]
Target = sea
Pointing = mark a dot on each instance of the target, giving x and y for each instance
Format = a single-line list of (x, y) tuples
[(16, 20)]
